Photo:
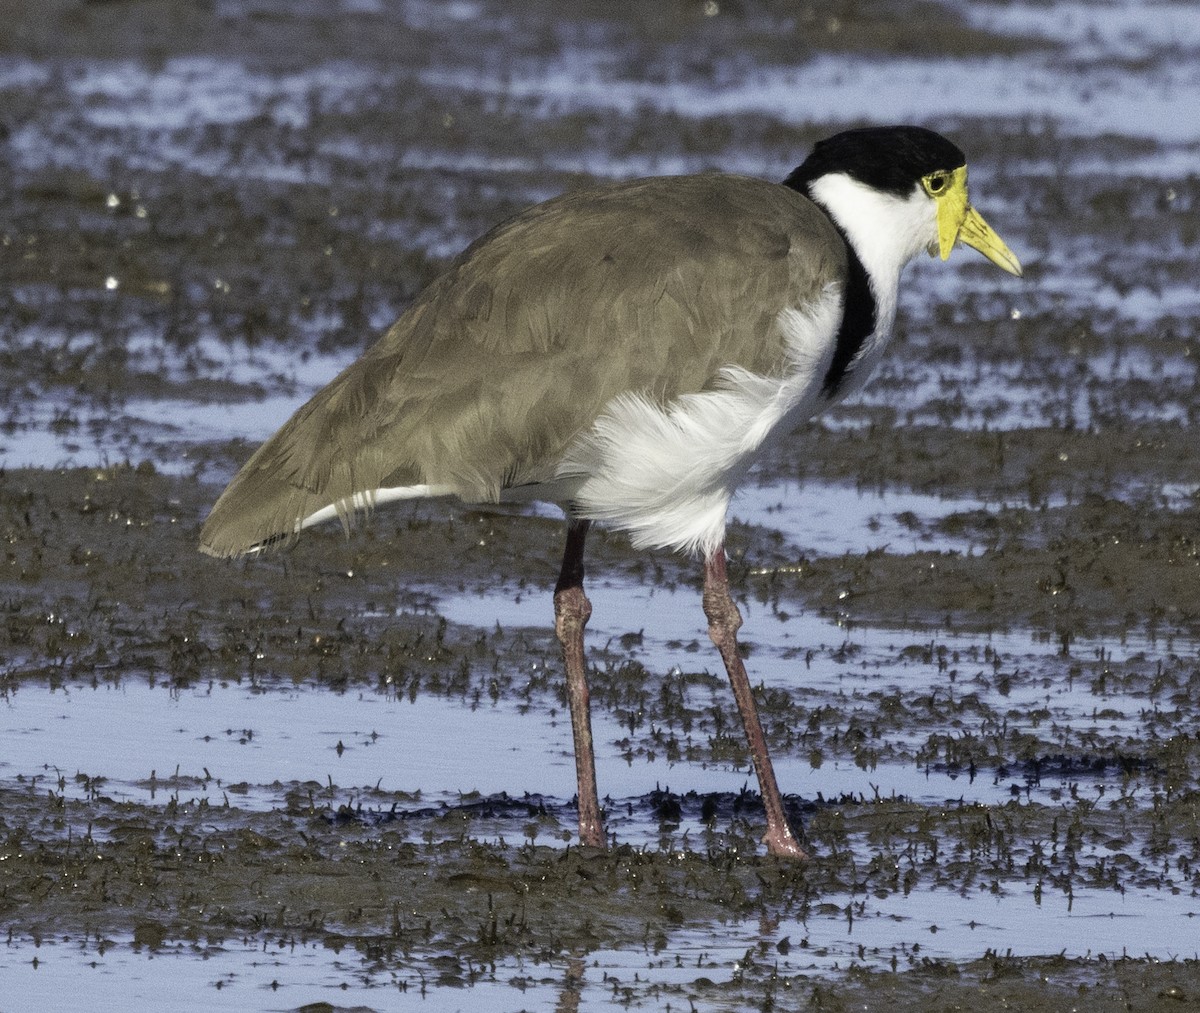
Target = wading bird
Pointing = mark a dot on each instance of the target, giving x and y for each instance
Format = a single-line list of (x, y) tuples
[(626, 351)]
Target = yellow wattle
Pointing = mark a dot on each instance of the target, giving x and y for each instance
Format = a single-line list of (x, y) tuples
[(952, 207)]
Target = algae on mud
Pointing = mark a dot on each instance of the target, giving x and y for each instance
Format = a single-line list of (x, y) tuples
[(124, 536), (211, 207)]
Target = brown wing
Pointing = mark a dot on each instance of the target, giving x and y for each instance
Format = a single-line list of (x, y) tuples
[(650, 286)]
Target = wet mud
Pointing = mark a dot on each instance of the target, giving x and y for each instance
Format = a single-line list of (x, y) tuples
[(984, 712)]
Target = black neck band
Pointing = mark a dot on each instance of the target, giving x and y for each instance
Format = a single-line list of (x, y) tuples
[(858, 319)]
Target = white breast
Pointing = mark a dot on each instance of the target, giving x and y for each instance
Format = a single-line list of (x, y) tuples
[(666, 473)]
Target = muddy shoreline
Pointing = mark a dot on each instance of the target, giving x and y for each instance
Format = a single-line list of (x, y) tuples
[(983, 690)]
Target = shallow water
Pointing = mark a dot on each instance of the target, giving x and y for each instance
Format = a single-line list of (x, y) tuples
[(921, 927), (133, 741), (208, 224)]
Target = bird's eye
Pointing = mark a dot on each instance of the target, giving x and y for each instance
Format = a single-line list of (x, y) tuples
[(936, 182)]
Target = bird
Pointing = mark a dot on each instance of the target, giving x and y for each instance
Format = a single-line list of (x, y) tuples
[(626, 351)]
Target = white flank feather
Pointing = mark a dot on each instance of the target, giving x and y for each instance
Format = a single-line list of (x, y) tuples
[(666, 473), (370, 500)]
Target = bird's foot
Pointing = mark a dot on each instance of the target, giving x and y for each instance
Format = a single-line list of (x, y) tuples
[(596, 839), (781, 843)]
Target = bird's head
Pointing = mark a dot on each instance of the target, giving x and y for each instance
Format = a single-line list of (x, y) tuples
[(910, 176)]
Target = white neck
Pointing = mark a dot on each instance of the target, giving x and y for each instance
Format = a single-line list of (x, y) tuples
[(885, 231)]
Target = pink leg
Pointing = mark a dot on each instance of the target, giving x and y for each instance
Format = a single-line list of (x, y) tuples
[(724, 620), (571, 612)]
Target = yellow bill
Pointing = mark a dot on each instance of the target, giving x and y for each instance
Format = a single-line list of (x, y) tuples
[(979, 235), (958, 221)]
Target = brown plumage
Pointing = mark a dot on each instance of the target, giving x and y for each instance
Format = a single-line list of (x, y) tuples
[(627, 351), (650, 287)]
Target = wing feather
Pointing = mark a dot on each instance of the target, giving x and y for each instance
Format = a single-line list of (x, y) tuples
[(650, 287)]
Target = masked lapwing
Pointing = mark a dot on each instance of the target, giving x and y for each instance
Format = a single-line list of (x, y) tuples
[(626, 351)]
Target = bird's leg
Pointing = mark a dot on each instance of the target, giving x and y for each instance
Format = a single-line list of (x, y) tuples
[(571, 612), (724, 620)]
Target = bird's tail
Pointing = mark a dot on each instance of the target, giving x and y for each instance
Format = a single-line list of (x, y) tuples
[(323, 462)]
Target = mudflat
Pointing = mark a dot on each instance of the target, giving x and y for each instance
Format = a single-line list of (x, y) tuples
[(342, 774)]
